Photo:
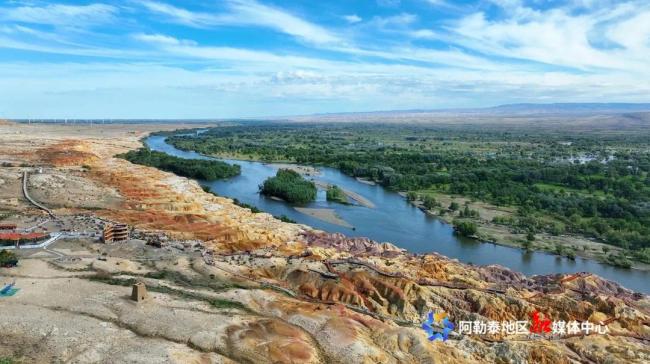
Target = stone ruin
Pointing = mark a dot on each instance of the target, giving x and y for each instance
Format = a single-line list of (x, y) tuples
[(139, 292)]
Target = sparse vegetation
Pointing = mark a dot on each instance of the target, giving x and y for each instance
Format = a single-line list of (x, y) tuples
[(254, 209), (285, 218), (225, 304), (178, 279), (6, 214), (619, 260)]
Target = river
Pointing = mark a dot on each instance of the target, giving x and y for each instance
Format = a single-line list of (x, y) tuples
[(397, 221)]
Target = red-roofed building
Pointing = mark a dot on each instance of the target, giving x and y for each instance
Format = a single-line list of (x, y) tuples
[(13, 238)]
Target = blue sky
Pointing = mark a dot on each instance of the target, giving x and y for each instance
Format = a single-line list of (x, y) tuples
[(249, 58)]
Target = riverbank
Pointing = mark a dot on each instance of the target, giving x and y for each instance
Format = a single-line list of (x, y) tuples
[(402, 223), (502, 235), (365, 181)]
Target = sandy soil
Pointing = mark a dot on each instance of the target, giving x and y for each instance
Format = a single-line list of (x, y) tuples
[(370, 183), (328, 215), (350, 194)]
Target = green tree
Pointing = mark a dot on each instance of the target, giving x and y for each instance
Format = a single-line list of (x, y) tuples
[(290, 186), (411, 196), (334, 193), (465, 228), (8, 258), (570, 253), (208, 170), (430, 202)]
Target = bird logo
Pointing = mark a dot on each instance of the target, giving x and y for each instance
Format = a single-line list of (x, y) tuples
[(432, 326)]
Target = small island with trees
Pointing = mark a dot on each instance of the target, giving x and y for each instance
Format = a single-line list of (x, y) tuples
[(208, 170), (336, 194), (290, 186)]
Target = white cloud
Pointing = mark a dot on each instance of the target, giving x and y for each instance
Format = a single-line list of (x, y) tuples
[(249, 13), (424, 34), (438, 2), (177, 14), (399, 20), (61, 15), (478, 59), (559, 37), (389, 3), (632, 33), (161, 39), (146, 90), (66, 48), (297, 76), (352, 18)]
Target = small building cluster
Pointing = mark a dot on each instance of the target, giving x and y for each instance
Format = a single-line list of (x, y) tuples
[(10, 236)]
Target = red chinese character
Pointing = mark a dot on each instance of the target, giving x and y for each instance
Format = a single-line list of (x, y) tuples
[(540, 325)]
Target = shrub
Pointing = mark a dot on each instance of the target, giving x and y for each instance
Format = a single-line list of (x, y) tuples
[(465, 228), (8, 258)]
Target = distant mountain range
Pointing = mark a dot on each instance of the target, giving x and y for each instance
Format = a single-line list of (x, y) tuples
[(569, 108), (577, 116), (502, 110)]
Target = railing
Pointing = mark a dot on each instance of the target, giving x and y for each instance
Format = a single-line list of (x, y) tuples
[(25, 176)]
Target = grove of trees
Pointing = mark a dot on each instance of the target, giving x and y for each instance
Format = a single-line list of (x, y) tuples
[(208, 170), (289, 186)]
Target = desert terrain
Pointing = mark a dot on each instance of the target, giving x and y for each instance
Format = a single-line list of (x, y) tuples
[(230, 286)]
